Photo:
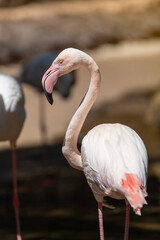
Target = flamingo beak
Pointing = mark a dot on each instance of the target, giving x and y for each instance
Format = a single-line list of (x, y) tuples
[(49, 80), (49, 97)]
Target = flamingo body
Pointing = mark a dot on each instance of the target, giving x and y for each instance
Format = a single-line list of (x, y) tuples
[(111, 154), (12, 113)]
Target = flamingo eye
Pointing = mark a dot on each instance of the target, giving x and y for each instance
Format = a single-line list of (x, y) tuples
[(60, 61)]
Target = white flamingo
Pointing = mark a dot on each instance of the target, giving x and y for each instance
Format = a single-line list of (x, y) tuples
[(12, 116), (113, 156)]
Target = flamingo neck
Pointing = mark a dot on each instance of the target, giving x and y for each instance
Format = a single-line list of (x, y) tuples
[(70, 150)]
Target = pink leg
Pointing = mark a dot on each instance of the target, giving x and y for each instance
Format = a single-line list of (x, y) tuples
[(100, 216), (43, 129), (15, 194), (126, 231)]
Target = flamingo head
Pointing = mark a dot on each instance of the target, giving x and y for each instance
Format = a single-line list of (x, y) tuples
[(67, 61)]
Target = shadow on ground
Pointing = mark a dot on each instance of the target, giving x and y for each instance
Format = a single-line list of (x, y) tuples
[(56, 202)]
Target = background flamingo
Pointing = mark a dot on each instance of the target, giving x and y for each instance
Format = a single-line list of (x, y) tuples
[(32, 72), (113, 157), (12, 116)]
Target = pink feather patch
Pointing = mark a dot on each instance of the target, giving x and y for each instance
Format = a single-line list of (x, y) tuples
[(134, 191)]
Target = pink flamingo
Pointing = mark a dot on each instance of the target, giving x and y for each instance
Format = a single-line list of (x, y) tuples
[(12, 116), (113, 157)]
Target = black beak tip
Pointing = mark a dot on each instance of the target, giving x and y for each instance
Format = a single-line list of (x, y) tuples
[(49, 97)]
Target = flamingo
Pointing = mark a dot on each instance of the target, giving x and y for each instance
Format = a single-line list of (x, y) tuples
[(32, 77), (113, 157), (12, 116)]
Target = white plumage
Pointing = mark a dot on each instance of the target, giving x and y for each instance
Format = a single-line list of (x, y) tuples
[(109, 151), (12, 116), (12, 113)]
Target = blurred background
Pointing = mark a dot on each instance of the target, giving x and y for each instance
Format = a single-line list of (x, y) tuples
[(123, 37)]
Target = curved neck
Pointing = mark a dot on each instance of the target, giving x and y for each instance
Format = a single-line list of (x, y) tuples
[(70, 149)]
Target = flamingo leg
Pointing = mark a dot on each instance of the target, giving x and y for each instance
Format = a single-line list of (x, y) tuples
[(126, 231), (42, 119), (100, 216), (15, 195), (43, 128)]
